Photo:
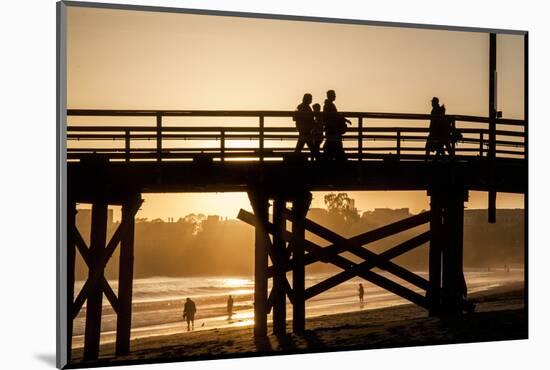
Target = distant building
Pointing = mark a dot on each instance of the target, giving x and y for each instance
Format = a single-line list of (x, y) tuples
[(211, 220)]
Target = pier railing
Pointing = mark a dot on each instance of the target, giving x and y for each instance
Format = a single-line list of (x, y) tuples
[(270, 135)]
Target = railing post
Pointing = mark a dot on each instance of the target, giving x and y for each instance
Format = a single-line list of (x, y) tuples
[(360, 139), (127, 145), (222, 145), (261, 145), (398, 144), (159, 137)]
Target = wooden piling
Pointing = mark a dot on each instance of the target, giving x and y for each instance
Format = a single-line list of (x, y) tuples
[(300, 207), (260, 205), (434, 293), (125, 281), (95, 294), (452, 277), (71, 260), (491, 155), (279, 262)]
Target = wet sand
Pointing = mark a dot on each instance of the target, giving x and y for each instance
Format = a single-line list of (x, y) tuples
[(500, 315)]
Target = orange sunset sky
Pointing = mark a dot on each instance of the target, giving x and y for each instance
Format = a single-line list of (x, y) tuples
[(121, 59)]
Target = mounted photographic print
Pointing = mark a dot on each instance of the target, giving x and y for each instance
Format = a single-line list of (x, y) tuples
[(235, 184)]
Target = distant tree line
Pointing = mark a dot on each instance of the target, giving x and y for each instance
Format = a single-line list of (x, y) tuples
[(198, 245)]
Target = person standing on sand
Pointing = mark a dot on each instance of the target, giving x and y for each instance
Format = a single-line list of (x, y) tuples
[(229, 307), (189, 310), (361, 293)]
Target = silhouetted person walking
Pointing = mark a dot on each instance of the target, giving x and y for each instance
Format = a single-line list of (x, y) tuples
[(445, 133), (189, 310), (229, 307), (434, 140), (335, 127), (361, 292), (304, 124)]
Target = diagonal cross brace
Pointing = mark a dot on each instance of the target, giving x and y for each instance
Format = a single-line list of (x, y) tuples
[(289, 292), (382, 261), (276, 256), (95, 277), (320, 253), (366, 265), (369, 236), (373, 277), (84, 252), (361, 239), (378, 260)]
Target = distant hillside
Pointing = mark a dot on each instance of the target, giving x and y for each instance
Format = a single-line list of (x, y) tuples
[(196, 246)]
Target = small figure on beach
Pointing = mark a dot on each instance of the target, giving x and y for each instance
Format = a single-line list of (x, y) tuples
[(361, 293), (229, 307), (189, 310), (335, 128), (303, 116)]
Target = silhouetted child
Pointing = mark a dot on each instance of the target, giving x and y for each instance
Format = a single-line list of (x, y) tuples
[(317, 130), (361, 293), (229, 307), (189, 310)]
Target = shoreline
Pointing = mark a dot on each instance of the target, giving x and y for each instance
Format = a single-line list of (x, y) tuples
[(500, 315), (164, 317)]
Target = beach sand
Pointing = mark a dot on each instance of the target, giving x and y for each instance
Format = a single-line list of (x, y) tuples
[(500, 315)]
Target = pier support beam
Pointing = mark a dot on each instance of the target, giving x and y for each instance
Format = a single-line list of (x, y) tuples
[(279, 258), (96, 257), (435, 253), (453, 274), (300, 207), (125, 282), (71, 261), (447, 284), (260, 205), (95, 295)]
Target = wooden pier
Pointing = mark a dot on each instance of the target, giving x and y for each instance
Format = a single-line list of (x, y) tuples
[(115, 164)]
